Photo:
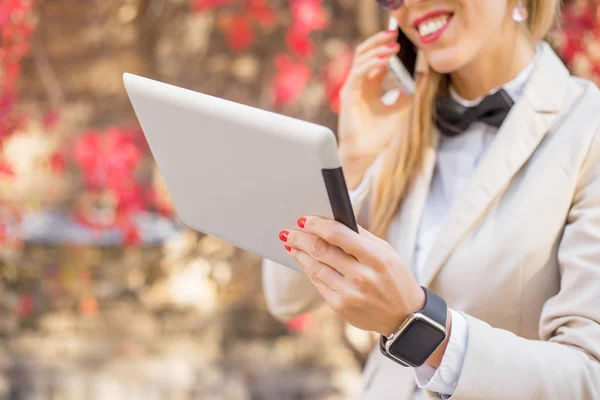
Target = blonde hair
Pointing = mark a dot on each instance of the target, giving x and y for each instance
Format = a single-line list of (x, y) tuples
[(406, 154)]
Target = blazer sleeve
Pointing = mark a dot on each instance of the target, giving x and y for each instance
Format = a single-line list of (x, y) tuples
[(565, 362), (290, 293)]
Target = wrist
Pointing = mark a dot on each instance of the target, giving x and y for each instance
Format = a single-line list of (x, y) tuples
[(354, 163), (414, 303), (418, 300)]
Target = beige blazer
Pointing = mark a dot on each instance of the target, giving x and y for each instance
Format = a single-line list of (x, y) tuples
[(518, 255)]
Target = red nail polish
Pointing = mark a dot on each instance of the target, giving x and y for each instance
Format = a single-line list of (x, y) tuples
[(283, 236), (392, 45), (288, 248), (383, 57), (301, 222), (391, 31)]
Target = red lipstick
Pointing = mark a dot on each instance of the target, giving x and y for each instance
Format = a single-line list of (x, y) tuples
[(434, 14)]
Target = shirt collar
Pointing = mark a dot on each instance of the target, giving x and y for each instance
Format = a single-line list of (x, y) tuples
[(514, 88)]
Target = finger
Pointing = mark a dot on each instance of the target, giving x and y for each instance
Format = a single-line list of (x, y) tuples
[(327, 280), (343, 237), (379, 63), (356, 79), (363, 232), (378, 39), (376, 240), (383, 52), (386, 50), (322, 251), (377, 73), (371, 66)]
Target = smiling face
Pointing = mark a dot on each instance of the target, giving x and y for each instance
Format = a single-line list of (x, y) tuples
[(453, 33)]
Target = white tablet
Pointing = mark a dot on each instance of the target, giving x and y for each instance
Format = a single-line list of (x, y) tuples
[(240, 173)]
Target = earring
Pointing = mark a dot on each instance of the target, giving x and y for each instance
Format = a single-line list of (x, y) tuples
[(519, 13)]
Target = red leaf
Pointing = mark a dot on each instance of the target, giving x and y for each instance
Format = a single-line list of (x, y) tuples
[(7, 102), (107, 159), (87, 153), (309, 15), (88, 306), (25, 305), (4, 16), (86, 149), (12, 70), (289, 81), (299, 42), (336, 73), (300, 323), (240, 35), (207, 5), (20, 49), (19, 5), (260, 12), (132, 237), (130, 231), (51, 119), (130, 196), (58, 163), (580, 24)]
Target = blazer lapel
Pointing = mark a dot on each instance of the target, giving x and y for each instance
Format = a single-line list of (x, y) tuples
[(523, 129)]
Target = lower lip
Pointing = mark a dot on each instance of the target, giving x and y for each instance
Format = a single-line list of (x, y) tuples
[(436, 35)]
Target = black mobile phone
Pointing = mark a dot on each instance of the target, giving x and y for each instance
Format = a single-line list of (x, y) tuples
[(403, 64), (407, 53)]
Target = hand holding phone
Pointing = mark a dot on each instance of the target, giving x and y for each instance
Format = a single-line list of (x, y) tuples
[(367, 123)]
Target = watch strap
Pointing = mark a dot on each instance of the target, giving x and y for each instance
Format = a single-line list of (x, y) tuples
[(435, 307)]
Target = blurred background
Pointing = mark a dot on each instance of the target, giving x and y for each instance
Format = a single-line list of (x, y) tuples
[(103, 294)]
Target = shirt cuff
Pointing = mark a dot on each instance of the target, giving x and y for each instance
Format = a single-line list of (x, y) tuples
[(444, 379)]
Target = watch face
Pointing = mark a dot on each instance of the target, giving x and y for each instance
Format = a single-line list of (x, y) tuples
[(417, 342)]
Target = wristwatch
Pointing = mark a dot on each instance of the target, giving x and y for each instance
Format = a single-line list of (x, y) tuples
[(419, 335)]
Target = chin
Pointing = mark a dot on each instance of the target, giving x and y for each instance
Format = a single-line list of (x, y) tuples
[(445, 61)]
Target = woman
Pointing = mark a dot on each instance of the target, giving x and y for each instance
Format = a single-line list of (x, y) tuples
[(485, 186)]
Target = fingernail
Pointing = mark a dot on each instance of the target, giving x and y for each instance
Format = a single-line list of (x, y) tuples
[(391, 31), (392, 45), (283, 236), (301, 222), (288, 248), (383, 57)]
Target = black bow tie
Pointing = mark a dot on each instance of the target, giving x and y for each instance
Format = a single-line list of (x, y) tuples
[(453, 118)]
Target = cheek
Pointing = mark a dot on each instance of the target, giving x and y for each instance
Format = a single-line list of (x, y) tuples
[(473, 28)]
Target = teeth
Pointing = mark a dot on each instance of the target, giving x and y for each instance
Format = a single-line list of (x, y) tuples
[(433, 25)]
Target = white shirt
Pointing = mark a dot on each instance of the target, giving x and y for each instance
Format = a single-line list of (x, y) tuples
[(456, 160)]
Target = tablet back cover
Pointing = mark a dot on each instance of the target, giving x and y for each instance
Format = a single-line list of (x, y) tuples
[(235, 172)]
